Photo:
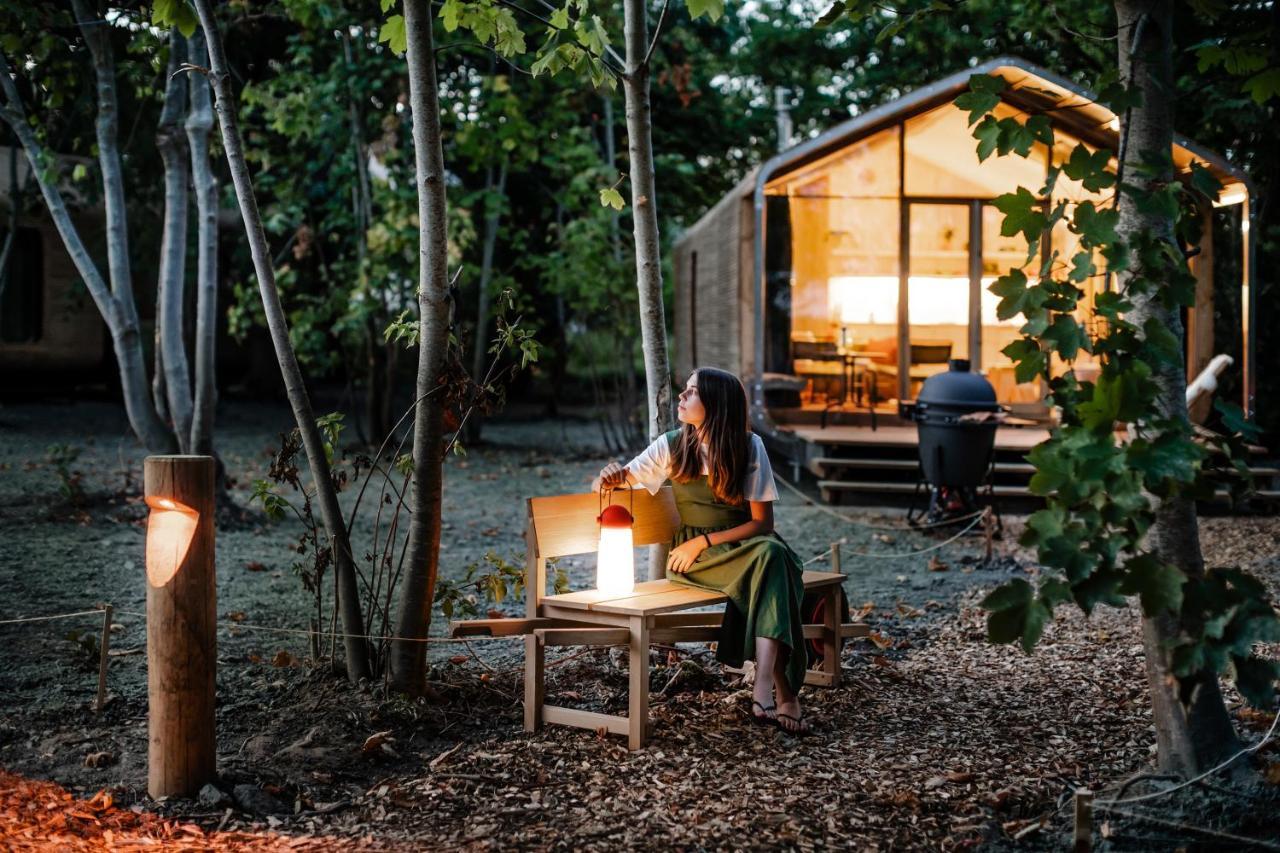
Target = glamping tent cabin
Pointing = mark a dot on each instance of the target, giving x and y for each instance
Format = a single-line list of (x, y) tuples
[(856, 264)]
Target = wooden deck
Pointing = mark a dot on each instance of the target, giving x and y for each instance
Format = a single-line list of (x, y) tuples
[(1019, 438)]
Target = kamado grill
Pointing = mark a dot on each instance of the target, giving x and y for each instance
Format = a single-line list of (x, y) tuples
[(956, 417)]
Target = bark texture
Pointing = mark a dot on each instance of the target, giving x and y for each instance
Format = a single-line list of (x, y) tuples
[(644, 205), (1189, 738), (170, 290), (198, 127), (357, 648), (408, 656)]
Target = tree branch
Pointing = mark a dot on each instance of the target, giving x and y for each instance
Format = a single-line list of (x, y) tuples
[(662, 16), (474, 44)]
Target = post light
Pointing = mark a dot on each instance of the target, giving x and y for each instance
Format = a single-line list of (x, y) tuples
[(170, 528), (615, 563), (181, 624)]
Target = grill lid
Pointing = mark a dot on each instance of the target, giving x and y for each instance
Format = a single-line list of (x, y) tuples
[(958, 390)]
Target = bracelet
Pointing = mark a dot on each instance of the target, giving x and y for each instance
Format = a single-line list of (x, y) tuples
[(707, 536)]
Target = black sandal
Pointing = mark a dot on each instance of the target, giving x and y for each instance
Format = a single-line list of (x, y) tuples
[(763, 718), (803, 729)]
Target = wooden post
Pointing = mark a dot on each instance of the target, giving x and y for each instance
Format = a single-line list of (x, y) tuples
[(105, 647), (835, 557), (181, 628), (1082, 838)]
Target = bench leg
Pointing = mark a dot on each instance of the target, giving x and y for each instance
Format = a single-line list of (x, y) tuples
[(831, 635), (638, 700), (534, 681)]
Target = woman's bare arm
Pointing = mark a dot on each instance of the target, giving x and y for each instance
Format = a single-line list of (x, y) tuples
[(761, 524)]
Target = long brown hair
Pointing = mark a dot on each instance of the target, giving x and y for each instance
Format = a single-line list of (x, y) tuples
[(727, 430)]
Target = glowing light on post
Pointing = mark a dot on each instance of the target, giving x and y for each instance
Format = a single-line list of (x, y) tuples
[(170, 528), (615, 562)]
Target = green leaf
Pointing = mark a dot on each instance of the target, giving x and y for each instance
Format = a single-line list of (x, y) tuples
[(1255, 678), (1233, 418), (1096, 227), (175, 13), (560, 19), (1157, 584), (1090, 169), (610, 197), (1263, 86), (392, 33), (386, 5), (1022, 213), (1014, 593), (711, 9), (832, 15), (988, 135), (1066, 336), (978, 104), (1162, 343)]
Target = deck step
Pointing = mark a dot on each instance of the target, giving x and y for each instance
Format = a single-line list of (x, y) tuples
[(902, 488), (909, 464), (829, 486)]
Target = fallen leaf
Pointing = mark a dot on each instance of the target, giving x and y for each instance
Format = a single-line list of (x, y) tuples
[(283, 658), (937, 565), (255, 566), (375, 741), (881, 641), (99, 759), (458, 659)]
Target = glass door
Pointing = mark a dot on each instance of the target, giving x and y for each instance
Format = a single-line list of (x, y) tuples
[(941, 284)]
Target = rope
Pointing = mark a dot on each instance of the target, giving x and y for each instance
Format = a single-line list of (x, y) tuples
[(810, 502), (50, 618), (249, 626), (1257, 746)]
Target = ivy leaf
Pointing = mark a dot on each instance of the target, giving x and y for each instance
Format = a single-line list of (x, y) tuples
[(393, 34), (1066, 336), (1090, 169), (1095, 227), (610, 197), (1163, 344), (1015, 593), (988, 135), (978, 103), (1030, 361), (1156, 583), (1022, 213), (1204, 182), (711, 9), (1012, 290), (1233, 418)]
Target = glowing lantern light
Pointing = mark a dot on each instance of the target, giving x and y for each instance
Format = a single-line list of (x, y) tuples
[(615, 563), (170, 528)]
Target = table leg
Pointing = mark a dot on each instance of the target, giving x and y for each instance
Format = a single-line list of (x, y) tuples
[(638, 700), (534, 681)]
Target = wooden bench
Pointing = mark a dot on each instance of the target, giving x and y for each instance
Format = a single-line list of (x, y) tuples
[(565, 525)]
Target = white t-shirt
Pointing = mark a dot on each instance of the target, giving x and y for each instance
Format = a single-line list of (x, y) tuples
[(652, 468)]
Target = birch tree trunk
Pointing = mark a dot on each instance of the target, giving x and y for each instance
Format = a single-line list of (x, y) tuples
[(408, 656), (170, 289), (199, 125), (1194, 737), (644, 214), (357, 648), (114, 302), (644, 218)]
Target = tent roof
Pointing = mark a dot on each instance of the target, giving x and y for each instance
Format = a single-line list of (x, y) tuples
[(1029, 88)]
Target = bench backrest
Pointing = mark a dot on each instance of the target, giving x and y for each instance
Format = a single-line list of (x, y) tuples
[(565, 525)]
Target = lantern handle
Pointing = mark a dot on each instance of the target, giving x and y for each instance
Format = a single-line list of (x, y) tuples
[(605, 498)]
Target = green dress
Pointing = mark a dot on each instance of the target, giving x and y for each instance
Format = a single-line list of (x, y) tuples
[(762, 576)]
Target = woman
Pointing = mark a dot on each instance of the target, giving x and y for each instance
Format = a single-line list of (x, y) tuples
[(724, 491)]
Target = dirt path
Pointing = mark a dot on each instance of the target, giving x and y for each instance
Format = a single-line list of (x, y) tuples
[(939, 739)]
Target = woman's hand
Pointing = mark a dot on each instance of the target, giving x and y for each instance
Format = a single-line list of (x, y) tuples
[(610, 477), (681, 558)]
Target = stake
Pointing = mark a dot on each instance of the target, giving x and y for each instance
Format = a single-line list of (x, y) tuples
[(988, 533), (1082, 839), (835, 557), (105, 646)]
